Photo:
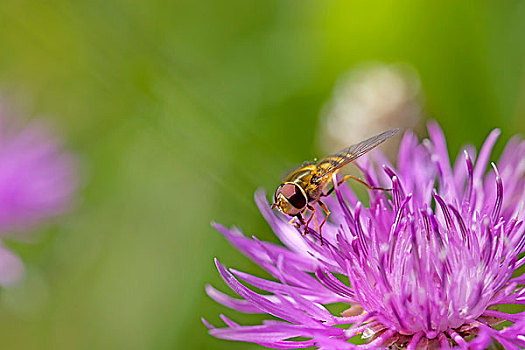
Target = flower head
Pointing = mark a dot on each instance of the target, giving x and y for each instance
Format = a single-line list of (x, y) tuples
[(37, 182), (36, 177), (425, 266)]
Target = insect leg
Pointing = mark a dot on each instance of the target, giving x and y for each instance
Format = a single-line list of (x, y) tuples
[(358, 180), (366, 184), (312, 209), (300, 217), (301, 221), (327, 212)]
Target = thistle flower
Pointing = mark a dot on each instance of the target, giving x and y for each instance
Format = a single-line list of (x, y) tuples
[(426, 266), (36, 182)]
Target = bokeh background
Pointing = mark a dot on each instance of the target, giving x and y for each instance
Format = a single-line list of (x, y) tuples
[(180, 110)]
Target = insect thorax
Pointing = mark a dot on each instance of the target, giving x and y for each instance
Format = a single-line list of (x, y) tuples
[(305, 177)]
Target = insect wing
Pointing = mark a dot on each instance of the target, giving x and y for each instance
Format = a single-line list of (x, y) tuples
[(349, 154)]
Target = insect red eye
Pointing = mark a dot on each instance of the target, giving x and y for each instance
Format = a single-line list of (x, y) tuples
[(294, 195), (277, 191)]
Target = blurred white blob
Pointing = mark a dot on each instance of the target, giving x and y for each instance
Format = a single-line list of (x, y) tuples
[(27, 300), (370, 99), (11, 267)]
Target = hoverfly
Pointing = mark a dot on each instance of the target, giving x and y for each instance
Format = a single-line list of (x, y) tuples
[(305, 186)]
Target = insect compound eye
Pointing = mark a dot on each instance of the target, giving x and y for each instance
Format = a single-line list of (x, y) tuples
[(277, 191), (294, 195)]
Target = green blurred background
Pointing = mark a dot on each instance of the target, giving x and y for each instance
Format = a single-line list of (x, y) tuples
[(180, 110)]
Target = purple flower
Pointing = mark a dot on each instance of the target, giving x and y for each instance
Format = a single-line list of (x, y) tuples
[(423, 267), (36, 182)]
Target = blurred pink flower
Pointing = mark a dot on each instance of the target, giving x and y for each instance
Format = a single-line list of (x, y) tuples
[(37, 181)]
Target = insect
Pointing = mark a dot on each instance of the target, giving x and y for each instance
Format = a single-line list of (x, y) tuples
[(305, 186)]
